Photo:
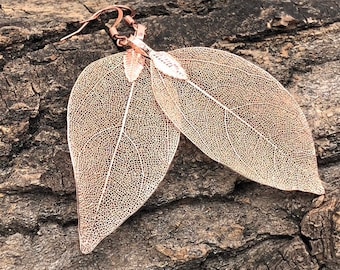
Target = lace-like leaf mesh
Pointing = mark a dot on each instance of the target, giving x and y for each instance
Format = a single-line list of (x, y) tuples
[(240, 116), (121, 143), (121, 146)]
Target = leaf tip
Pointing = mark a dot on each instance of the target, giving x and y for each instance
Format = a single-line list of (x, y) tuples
[(87, 245)]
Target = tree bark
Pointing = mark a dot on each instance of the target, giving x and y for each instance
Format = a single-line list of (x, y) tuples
[(202, 216)]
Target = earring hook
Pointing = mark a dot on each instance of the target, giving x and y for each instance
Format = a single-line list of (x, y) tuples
[(118, 8), (121, 40)]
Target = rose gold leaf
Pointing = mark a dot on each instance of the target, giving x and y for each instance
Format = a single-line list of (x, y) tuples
[(133, 64), (121, 145), (240, 116), (168, 65)]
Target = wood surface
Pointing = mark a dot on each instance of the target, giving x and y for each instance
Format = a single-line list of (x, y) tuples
[(202, 216)]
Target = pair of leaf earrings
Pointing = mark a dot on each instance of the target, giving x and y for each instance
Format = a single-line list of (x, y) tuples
[(126, 112)]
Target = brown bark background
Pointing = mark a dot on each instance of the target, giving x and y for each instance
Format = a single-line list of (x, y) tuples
[(202, 216)]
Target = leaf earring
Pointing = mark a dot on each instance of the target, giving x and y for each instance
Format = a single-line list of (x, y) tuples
[(126, 110)]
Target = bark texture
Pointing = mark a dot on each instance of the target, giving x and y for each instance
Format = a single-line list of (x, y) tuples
[(202, 216)]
